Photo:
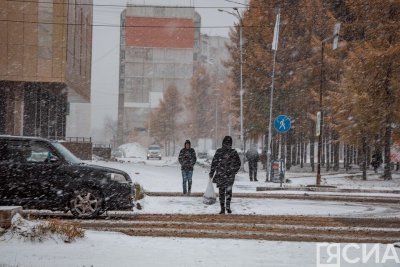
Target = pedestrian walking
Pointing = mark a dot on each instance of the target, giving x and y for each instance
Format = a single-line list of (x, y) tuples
[(253, 158), (225, 165), (376, 161), (187, 159)]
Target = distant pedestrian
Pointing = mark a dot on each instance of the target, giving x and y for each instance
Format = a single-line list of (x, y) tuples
[(187, 159), (376, 161), (225, 165), (263, 159), (253, 158)]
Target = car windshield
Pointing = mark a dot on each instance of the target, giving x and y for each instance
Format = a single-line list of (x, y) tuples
[(154, 148), (71, 158)]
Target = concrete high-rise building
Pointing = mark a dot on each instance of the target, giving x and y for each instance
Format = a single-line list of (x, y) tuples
[(157, 50), (213, 54), (45, 64), (197, 38)]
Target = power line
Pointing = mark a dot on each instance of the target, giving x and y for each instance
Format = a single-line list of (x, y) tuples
[(172, 27), (124, 6), (269, 5), (126, 26), (106, 54)]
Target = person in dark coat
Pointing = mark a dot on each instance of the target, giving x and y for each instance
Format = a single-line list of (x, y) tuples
[(376, 161), (187, 159), (253, 158), (225, 165)]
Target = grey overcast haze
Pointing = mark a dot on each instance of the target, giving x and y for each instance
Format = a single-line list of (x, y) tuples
[(105, 57)]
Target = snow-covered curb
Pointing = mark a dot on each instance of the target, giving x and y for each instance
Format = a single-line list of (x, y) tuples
[(41, 230)]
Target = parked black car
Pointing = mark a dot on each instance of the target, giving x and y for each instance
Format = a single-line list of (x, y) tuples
[(37, 173)]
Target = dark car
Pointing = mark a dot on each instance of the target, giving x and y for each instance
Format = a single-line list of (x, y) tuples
[(37, 173)]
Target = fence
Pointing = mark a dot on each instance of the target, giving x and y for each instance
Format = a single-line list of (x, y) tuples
[(79, 146), (102, 151)]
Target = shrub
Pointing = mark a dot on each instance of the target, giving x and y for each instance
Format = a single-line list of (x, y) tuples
[(139, 192), (67, 231), (42, 230)]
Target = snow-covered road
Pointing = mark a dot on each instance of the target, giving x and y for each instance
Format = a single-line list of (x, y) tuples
[(165, 176), (116, 249)]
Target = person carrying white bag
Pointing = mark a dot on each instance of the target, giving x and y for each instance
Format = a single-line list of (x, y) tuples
[(225, 165), (209, 196)]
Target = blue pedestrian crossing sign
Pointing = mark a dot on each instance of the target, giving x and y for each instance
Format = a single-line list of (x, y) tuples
[(282, 124)]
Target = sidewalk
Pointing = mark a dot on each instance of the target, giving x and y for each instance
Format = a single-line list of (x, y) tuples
[(330, 189)]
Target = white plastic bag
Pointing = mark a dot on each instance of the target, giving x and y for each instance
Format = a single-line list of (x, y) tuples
[(209, 196)]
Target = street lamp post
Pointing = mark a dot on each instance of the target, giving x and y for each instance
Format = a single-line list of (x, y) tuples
[(275, 48), (320, 118), (239, 17), (216, 120), (269, 152)]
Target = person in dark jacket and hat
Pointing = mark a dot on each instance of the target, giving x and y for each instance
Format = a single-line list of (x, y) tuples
[(376, 161), (187, 159), (253, 159), (225, 165)]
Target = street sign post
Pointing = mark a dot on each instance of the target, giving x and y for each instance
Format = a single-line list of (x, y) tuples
[(282, 124)]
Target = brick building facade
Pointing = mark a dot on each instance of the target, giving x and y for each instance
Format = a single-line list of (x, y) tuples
[(45, 64), (157, 50)]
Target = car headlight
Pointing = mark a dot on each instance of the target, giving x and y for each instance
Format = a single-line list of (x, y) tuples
[(116, 177)]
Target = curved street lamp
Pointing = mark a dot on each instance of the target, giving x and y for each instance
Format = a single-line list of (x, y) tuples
[(239, 17), (320, 114)]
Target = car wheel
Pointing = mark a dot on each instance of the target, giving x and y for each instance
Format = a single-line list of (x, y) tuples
[(147, 158), (159, 158), (86, 204)]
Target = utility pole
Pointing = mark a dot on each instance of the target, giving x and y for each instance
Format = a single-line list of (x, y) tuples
[(216, 120), (275, 48), (320, 118)]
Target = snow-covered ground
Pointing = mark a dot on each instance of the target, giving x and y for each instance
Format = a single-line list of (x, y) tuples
[(105, 249), (165, 176), (116, 249), (243, 206)]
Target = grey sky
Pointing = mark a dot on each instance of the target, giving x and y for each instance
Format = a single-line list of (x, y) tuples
[(105, 62)]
